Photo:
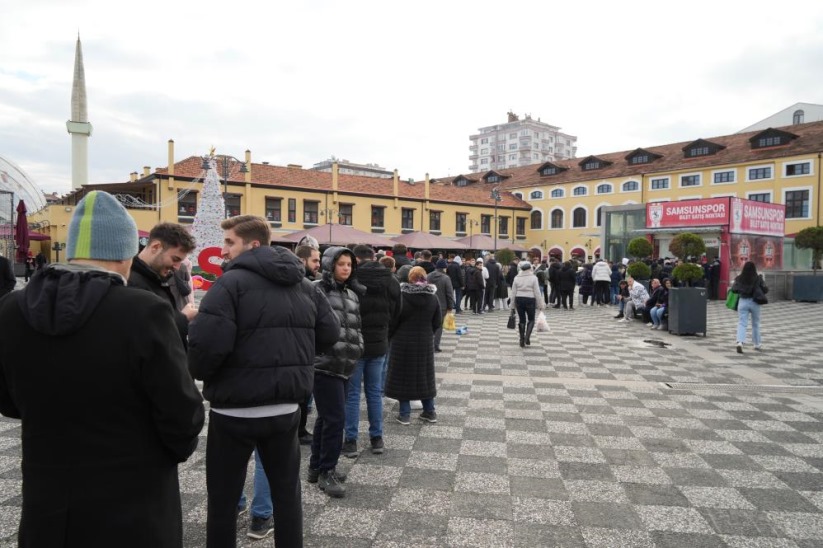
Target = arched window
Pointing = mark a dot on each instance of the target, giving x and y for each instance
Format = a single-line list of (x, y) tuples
[(798, 117), (599, 216), (605, 188), (536, 220), (557, 193), (557, 218), (580, 191), (536, 195), (579, 218), (630, 186)]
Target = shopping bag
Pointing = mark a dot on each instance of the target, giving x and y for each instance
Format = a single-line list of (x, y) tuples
[(511, 325), (449, 322), (541, 324), (731, 300)]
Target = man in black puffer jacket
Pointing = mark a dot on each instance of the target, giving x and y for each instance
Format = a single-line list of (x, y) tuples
[(253, 344), (378, 307)]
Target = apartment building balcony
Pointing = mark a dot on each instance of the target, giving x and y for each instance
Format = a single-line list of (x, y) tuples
[(474, 157)]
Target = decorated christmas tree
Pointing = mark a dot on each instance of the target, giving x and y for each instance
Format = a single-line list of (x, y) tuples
[(211, 210)]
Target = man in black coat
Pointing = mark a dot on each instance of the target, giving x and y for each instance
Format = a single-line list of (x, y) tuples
[(7, 279), (495, 273), (399, 256), (455, 273), (253, 344), (378, 307), (153, 269), (108, 407)]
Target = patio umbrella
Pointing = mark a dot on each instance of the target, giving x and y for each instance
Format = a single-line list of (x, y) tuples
[(21, 232), (424, 240), (332, 234), (482, 241)]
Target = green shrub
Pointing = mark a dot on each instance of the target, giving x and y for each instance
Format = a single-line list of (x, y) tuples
[(639, 270), (505, 256), (640, 248), (688, 273), (811, 238), (686, 245)]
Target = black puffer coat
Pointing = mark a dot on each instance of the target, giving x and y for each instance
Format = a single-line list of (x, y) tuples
[(259, 326), (377, 307), (340, 359), (411, 360), (142, 276)]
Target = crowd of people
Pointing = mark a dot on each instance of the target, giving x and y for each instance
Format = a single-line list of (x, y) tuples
[(278, 334)]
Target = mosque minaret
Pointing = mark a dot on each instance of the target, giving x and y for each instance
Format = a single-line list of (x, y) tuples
[(79, 126)]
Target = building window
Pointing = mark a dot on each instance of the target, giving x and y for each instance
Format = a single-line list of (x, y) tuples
[(690, 180), (557, 218), (797, 117), (761, 197), (548, 170), (758, 173), (503, 226), (579, 218), (521, 226), (407, 219), (378, 214), (512, 135), (273, 211), (794, 170), (772, 141), (292, 210), (484, 141), (630, 186), (486, 224), (346, 214), (536, 195), (640, 159), (590, 165), (724, 177), (518, 195), (797, 204), (604, 189), (557, 193), (536, 220), (512, 146), (460, 222), (434, 220), (493, 179), (484, 160), (310, 210), (461, 182), (188, 205), (232, 205), (698, 151), (580, 191), (660, 184), (512, 156)]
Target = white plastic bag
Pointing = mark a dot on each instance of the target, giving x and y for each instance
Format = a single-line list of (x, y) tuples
[(541, 325)]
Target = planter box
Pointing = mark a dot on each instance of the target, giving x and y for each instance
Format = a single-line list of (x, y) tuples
[(808, 288), (687, 310)]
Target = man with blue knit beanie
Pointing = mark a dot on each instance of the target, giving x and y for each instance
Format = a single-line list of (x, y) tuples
[(108, 407)]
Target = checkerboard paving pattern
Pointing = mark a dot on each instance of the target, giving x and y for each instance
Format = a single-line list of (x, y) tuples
[(574, 441)]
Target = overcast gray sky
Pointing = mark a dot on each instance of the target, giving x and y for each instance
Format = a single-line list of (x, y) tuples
[(398, 84)]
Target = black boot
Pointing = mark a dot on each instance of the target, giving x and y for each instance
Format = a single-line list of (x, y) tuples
[(618, 316), (522, 329), (529, 328)]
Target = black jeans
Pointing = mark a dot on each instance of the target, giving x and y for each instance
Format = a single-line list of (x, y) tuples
[(330, 399), (231, 441), (602, 292), (476, 299), (525, 309), (567, 298)]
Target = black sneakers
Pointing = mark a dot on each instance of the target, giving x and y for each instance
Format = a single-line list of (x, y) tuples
[(314, 474), (261, 527), (305, 438), (428, 416), (403, 419), (377, 445), (331, 484), (350, 449)]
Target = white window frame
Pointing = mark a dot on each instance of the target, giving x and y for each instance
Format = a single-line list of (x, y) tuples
[(762, 166), (542, 219), (639, 186), (594, 215), (597, 191), (659, 200), (562, 193), (682, 175), (683, 198), (536, 191), (562, 225), (724, 195), (668, 184), (580, 186), (771, 196), (783, 192), (733, 181), (571, 215), (785, 166)]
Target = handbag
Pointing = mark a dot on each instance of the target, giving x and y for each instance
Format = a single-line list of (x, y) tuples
[(449, 322), (541, 324), (510, 324), (732, 299), (758, 296)]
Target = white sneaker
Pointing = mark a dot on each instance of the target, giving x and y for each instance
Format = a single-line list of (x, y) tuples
[(622, 320), (650, 324)]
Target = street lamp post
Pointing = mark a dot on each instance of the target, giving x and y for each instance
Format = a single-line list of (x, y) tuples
[(225, 161), (472, 223), (57, 247), (495, 195)]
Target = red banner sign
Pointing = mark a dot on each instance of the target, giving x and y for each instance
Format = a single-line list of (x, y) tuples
[(711, 212), (750, 217)]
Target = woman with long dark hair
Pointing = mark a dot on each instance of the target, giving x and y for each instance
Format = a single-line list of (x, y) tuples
[(751, 287)]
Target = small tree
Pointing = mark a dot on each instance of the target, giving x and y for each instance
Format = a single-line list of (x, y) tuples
[(505, 256), (639, 270), (684, 246), (639, 248), (811, 238)]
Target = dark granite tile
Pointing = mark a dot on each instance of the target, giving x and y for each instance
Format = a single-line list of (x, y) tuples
[(540, 488), (777, 500), (633, 457), (482, 506), (585, 471), (437, 445), (486, 465), (610, 430), (668, 539), (802, 481), (571, 440), (755, 448), (484, 434), (665, 445), (608, 515), (731, 462), (654, 495), (696, 434), (417, 478), (751, 523), (695, 476), (533, 534), (526, 425)]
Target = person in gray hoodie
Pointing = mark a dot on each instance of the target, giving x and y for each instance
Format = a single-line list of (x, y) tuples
[(445, 295)]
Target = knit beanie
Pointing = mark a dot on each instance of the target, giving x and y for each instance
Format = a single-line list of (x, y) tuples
[(101, 229)]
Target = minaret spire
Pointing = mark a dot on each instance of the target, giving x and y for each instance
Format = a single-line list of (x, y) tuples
[(78, 126)]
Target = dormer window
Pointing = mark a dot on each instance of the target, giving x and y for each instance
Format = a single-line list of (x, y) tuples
[(461, 182), (771, 138), (701, 147), (593, 162), (493, 179), (548, 169), (640, 156)]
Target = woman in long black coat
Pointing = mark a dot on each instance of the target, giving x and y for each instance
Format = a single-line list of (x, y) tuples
[(411, 361)]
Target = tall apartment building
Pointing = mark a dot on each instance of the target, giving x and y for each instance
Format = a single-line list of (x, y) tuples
[(350, 168), (519, 143)]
